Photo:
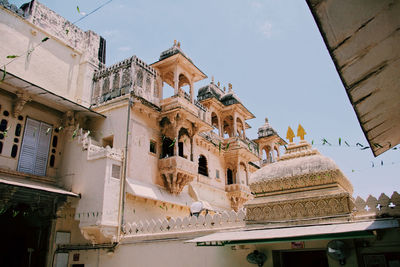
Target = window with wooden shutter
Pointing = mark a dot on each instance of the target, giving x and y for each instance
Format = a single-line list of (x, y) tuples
[(35, 147)]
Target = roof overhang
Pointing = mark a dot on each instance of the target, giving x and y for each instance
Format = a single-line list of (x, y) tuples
[(157, 193), (36, 186), (298, 233), (183, 62), (13, 84), (363, 41), (242, 109)]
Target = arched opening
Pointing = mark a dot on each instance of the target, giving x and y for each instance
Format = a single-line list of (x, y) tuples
[(267, 155), (276, 152), (184, 149), (203, 165), (183, 80), (228, 127), (229, 177), (184, 85), (167, 89), (239, 128), (215, 123), (167, 148)]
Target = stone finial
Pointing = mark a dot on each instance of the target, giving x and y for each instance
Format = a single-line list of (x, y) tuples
[(266, 120), (174, 42), (301, 132), (224, 89), (212, 79), (179, 44), (290, 134), (230, 87), (218, 84)]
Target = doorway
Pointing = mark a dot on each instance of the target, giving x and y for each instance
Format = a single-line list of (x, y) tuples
[(25, 234), (313, 258)]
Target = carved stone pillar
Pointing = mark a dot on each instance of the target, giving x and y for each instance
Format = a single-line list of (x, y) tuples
[(176, 81), (191, 92), (234, 125)]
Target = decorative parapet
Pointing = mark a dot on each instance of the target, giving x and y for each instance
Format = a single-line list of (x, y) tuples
[(129, 75), (191, 224), (238, 142), (97, 152), (87, 43), (176, 172), (238, 194), (269, 186), (234, 142), (381, 207)]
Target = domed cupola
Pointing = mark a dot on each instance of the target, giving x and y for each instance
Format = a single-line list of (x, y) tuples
[(300, 186), (266, 130), (209, 91), (175, 49), (230, 98)]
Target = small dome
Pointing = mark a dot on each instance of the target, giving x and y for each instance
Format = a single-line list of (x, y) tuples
[(209, 91), (294, 167), (175, 49), (230, 98), (266, 130)]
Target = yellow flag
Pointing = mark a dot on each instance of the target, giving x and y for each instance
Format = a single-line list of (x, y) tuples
[(301, 132), (290, 134)]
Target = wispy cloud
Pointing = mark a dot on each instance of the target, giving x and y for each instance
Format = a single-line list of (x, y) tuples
[(110, 33), (266, 29), (124, 48), (256, 4)]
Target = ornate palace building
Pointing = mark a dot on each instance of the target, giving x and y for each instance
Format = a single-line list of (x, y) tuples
[(99, 167)]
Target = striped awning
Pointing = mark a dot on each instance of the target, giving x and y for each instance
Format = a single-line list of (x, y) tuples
[(349, 230)]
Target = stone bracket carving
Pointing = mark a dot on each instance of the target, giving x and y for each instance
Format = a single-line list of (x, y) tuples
[(238, 195), (100, 234), (19, 102)]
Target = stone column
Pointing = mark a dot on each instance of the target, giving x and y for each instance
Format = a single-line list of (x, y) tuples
[(244, 128), (191, 149), (176, 81), (191, 92), (234, 126)]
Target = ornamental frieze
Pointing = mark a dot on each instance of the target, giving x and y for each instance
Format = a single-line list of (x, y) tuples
[(301, 208)]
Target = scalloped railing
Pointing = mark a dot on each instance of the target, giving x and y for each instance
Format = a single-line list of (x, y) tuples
[(379, 207), (208, 222)]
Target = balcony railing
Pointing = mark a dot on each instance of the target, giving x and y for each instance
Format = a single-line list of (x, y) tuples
[(184, 102), (177, 164)]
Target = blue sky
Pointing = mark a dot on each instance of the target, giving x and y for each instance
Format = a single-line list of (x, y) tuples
[(272, 53)]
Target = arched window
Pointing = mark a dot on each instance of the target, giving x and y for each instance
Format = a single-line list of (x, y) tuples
[(215, 123), (203, 165), (167, 148), (229, 176)]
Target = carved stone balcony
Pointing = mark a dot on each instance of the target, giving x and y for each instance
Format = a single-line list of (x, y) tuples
[(183, 113), (176, 172), (238, 194)]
